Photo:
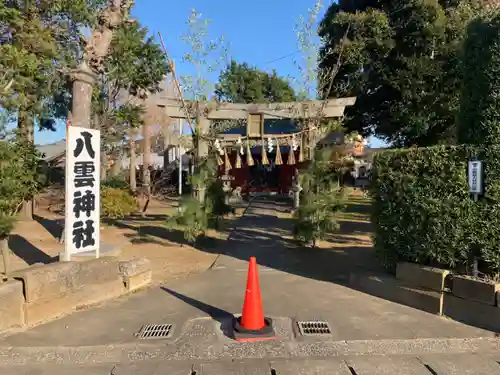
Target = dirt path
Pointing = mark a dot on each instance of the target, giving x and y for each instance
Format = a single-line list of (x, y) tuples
[(37, 241), (266, 232)]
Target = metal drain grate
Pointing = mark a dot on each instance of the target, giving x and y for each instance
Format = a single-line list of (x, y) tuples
[(155, 331), (314, 328)]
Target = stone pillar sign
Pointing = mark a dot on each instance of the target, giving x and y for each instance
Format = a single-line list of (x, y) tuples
[(82, 205)]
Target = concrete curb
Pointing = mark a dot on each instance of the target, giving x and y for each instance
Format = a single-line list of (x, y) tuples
[(130, 353)]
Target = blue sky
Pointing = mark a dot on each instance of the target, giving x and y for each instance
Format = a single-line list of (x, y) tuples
[(259, 32)]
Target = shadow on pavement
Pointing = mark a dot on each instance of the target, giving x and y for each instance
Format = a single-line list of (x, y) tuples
[(147, 233), (28, 252), (354, 227), (222, 316), (149, 217), (269, 238), (53, 226)]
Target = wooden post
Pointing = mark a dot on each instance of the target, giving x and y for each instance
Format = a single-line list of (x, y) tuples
[(203, 127)]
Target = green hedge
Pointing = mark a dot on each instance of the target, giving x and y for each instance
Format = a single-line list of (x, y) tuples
[(422, 210)]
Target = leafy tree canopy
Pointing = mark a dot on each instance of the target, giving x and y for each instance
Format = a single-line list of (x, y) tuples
[(401, 60), (40, 42), (134, 68), (478, 120), (136, 62), (241, 83), (27, 52), (19, 178)]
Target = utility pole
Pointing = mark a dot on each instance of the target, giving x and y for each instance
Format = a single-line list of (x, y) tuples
[(181, 122)]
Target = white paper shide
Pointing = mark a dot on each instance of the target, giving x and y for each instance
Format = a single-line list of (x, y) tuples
[(82, 191)]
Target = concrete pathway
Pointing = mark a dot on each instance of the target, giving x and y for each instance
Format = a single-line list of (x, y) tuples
[(297, 285)]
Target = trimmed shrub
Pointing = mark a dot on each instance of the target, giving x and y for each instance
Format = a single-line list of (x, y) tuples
[(196, 217), (117, 203), (423, 212), (322, 197)]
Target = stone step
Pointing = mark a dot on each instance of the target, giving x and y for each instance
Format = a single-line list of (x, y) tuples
[(463, 364)]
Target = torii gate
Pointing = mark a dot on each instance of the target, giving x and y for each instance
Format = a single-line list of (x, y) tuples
[(253, 113)]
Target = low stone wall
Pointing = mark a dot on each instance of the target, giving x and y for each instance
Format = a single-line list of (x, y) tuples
[(474, 302), (136, 273), (392, 289), (465, 299), (44, 292), (11, 305), (430, 278)]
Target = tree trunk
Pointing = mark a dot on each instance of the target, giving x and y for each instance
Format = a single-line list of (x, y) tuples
[(4, 249), (146, 159), (132, 171), (26, 126), (116, 167), (83, 82), (104, 166), (27, 131), (94, 54)]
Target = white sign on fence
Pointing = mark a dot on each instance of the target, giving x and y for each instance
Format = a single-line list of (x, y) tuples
[(476, 177), (82, 201)]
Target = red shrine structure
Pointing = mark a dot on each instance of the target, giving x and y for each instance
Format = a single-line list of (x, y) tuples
[(269, 177)]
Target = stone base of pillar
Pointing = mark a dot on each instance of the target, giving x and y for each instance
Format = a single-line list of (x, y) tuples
[(296, 200)]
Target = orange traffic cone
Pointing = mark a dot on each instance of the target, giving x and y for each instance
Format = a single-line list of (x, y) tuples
[(253, 314), (252, 325)]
